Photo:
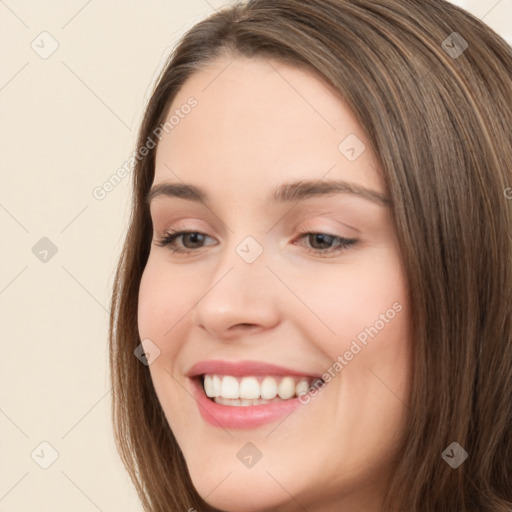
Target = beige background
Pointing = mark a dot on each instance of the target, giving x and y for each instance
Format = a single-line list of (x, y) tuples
[(68, 122)]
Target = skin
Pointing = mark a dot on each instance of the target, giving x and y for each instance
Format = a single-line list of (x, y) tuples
[(257, 125)]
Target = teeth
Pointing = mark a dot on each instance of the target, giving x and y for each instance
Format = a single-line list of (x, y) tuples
[(230, 387), (268, 388), (252, 390), (286, 388), (249, 388), (217, 384), (241, 402), (208, 386), (301, 387)]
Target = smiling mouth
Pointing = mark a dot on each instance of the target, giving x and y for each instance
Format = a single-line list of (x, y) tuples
[(255, 390)]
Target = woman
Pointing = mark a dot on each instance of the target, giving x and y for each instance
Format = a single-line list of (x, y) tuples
[(316, 281)]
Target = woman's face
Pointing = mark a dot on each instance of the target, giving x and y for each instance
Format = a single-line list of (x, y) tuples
[(286, 278)]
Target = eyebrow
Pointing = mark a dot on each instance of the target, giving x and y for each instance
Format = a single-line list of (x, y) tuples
[(286, 192)]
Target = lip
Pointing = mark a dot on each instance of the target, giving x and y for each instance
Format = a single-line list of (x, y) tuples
[(243, 368), (243, 417)]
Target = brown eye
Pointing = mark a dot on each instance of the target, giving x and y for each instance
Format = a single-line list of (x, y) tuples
[(190, 239), (324, 243), (194, 238), (320, 240)]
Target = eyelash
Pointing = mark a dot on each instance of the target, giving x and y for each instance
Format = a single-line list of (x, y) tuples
[(343, 243)]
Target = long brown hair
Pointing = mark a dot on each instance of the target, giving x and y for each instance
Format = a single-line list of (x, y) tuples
[(437, 109)]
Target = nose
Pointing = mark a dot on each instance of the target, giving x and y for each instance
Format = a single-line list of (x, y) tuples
[(240, 298)]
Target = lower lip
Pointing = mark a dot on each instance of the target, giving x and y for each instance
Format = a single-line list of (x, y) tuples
[(241, 417)]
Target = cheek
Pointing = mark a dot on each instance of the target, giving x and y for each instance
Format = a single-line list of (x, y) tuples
[(149, 312), (157, 315), (369, 353), (359, 302), (160, 306), (160, 310)]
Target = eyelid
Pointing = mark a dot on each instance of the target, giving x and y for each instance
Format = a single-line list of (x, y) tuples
[(185, 225), (315, 227), (309, 226), (344, 243), (167, 217)]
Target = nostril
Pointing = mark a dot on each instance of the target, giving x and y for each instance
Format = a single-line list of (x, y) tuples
[(245, 326)]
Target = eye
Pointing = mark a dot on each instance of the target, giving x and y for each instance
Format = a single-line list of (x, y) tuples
[(321, 243), (334, 243), (195, 237)]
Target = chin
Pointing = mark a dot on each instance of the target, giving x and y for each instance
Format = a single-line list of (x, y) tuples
[(245, 492)]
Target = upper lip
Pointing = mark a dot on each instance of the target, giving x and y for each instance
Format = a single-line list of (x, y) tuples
[(243, 368)]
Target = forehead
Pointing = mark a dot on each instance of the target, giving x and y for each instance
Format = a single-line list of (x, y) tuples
[(258, 123)]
